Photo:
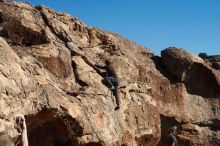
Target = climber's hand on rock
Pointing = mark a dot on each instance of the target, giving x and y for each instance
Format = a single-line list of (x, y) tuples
[(20, 123)]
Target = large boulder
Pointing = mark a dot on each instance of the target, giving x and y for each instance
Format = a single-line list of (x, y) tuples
[(47, 73), (203, 86), (193, 71), (178, 61)]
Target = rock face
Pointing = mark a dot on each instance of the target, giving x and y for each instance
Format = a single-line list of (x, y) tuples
[(193, 71), (47, 73), (202, 84)]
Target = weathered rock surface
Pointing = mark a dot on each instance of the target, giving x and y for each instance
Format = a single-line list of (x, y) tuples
[(203, 88), (47, 73), (193, 71)]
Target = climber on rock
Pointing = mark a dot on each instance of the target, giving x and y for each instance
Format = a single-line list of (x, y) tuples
[(171, 139), (111, 80)]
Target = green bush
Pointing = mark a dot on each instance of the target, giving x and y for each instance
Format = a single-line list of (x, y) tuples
[(203, 55)]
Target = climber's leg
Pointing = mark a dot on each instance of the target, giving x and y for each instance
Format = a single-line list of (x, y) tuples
[(108, 82), (117, 98)]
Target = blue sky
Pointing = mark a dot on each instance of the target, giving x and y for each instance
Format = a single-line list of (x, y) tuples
[(156, 24)]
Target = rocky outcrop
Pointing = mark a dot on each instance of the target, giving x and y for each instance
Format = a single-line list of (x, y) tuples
[(178, 62), (214, 60), (193, 71), (203, 87), (47, 73)]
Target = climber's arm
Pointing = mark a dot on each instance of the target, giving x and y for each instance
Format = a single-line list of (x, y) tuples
[(24, 134), (98, 67), (22, 129)]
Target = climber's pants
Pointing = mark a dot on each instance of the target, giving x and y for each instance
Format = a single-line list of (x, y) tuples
[(113, 82)]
